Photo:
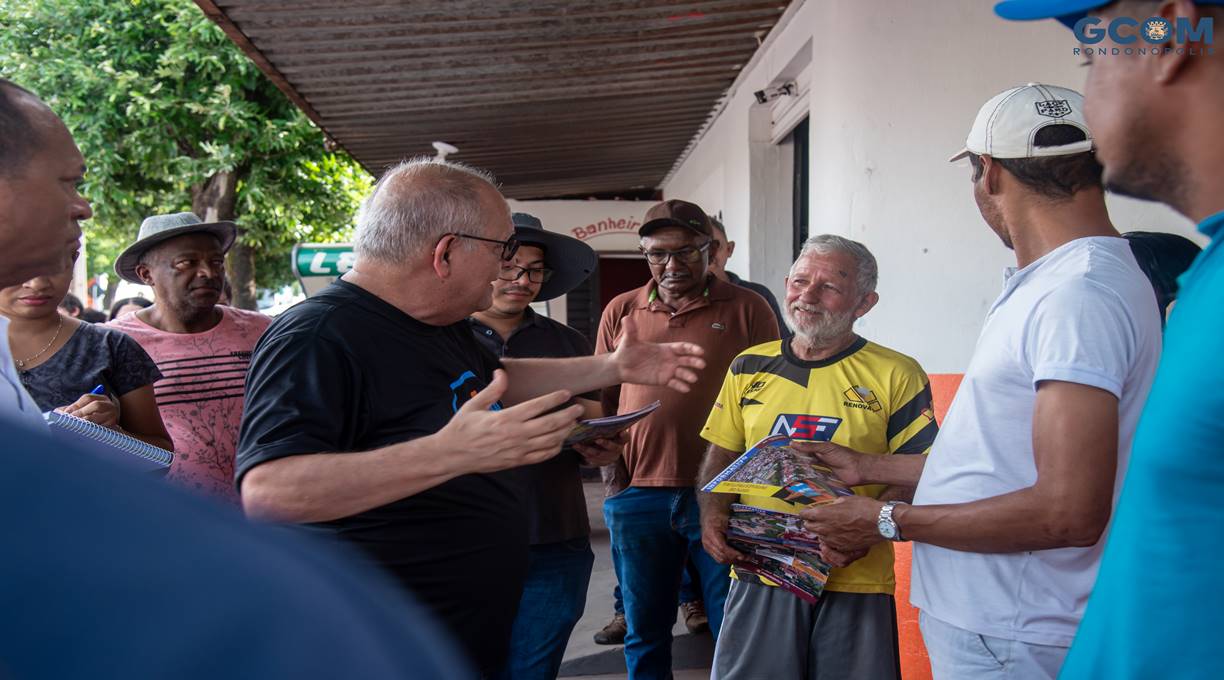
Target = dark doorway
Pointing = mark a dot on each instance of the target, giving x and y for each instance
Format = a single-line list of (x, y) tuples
[(613, 276), (799, 194)]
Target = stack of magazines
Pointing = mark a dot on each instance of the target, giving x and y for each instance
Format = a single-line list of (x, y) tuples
[(778, 547)]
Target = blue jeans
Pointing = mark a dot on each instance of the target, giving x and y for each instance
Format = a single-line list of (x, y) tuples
[(653, 531), (553, 599), (688, 589)]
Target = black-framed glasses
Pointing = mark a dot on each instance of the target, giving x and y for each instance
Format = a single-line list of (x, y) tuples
[(509, 247), (687, 255), (536, 275)]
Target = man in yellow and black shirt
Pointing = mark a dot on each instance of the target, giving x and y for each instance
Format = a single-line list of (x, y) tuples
[(824, 384)]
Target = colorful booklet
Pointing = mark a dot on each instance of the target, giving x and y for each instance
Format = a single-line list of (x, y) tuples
[(770, 528), (779, 549), (608, 426), (800, 573), (772, 468), (109, 443)]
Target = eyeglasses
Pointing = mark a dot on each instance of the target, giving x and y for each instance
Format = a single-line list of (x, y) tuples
[(512, 273), (687, 255), (509, 247)]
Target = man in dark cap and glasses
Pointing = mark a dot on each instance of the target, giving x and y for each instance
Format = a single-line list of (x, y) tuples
[(654, 522)]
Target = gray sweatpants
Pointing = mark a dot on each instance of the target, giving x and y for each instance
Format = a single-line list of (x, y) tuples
[(769, 633)]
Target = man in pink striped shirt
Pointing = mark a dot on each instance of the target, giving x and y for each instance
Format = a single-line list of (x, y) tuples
[(201, 347)]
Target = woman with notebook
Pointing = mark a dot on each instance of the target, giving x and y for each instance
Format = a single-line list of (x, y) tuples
[(90, 371)]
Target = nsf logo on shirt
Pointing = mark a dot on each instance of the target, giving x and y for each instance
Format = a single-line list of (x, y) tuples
[(807, 427)]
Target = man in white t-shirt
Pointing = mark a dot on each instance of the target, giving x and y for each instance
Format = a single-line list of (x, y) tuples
[(40, 168), (1013, 502)]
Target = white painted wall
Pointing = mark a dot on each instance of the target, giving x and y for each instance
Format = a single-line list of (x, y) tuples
[(895, 88), (607, 226)]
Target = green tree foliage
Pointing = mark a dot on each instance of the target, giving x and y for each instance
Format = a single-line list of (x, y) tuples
[(163, 105)]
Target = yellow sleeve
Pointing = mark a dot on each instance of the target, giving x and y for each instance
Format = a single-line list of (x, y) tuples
[(911, 423), (725, 425)]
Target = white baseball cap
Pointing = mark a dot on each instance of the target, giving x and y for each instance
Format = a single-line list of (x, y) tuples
[(1007, 124)]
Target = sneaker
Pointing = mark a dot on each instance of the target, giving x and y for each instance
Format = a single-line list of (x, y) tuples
[(614, 632), (695, 618)]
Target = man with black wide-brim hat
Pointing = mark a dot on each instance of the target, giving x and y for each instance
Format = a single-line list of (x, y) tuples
[(547, 265)]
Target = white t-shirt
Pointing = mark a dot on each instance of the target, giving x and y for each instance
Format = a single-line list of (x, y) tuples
[(15, 404), (1084, 314)]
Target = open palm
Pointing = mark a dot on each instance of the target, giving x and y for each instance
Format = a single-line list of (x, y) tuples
[(674, 364)]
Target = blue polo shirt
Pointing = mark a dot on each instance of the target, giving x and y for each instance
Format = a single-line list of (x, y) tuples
[(1157, 604)]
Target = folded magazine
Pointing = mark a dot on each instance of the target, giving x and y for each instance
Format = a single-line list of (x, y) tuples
[(800, 573), (772, 468), (608, 426), (779, 549), (770, 528)]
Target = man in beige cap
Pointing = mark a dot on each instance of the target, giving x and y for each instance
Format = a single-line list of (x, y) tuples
[(202, 348)]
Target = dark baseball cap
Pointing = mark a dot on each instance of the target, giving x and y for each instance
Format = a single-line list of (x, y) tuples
[(676, 213), (1066, 11)]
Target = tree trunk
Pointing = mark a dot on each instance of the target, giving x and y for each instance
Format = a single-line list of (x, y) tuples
[(214, 201), (240, 264), (112, 287)]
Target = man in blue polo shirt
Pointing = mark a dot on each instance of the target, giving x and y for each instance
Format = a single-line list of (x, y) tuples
[(1158, 120)]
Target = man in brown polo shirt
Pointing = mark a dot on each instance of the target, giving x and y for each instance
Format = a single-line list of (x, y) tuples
[(654, 523)]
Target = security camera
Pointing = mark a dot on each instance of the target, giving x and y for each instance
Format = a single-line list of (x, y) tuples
[(771, 93)]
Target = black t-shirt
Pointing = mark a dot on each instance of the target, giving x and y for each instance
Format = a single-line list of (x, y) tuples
[(552, 490), (94, 355), (345, 371)]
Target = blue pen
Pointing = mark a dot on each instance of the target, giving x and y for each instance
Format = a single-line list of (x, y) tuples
[(100, 389)]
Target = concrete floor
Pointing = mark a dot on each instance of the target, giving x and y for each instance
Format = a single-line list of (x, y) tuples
[(691, 655)]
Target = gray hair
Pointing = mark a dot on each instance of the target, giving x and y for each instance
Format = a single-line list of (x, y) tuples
[(418, 202), (868, 272)]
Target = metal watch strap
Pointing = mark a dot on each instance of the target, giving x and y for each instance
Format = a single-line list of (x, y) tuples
[(886, 515)]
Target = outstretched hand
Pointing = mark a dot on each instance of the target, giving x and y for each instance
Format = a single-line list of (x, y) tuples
[(674, 364), (523, 434)]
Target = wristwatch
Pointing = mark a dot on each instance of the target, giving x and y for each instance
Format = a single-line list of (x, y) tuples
[(885, 524)]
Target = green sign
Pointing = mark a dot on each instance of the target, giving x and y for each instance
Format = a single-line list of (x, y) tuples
[(316, 259)]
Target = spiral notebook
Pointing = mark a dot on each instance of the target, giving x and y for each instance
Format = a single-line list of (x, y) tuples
[(109, 443)]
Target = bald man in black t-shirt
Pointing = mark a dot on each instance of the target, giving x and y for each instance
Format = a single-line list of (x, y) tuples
[(373, 414)]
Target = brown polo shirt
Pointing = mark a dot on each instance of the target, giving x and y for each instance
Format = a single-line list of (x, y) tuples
[(666, 448)]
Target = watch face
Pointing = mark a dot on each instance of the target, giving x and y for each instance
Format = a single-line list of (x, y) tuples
[(887, 529)]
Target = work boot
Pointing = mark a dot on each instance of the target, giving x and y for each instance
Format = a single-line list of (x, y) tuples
[(695, 618), (614, 632)]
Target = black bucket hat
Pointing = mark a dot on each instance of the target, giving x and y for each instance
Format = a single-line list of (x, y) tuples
[(570, 260)]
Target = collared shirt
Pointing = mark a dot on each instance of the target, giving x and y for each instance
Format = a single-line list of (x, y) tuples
[(665, 449), (1155, 603), (16, 405), (552, 490)]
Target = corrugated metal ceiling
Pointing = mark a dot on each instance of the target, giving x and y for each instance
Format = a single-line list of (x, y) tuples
[(557, 98)]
